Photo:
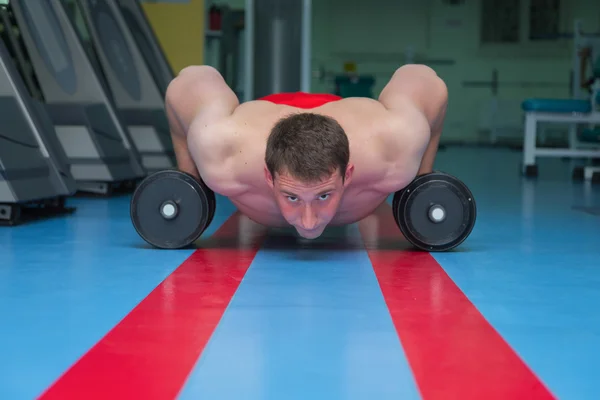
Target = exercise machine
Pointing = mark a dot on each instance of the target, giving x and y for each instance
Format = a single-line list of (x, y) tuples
[(98, 148), (33, 170), (137, 96), (147, 42), (581, 109)]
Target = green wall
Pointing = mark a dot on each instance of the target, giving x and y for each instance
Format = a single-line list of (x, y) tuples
[(181, 41), (376, 34)]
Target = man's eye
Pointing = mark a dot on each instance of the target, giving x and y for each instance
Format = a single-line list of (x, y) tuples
[(292, 199), (324, 197)]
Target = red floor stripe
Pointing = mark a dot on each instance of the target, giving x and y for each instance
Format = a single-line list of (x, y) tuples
[(453, 351), (150, 353)]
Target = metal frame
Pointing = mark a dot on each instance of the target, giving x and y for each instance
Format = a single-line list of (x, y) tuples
[(530, 149), (305, 50), (589, 171)]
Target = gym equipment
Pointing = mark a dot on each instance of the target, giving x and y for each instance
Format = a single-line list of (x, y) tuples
[(278, 47), (581, 109), (98, 148), (170, 209), (435, 212), (33, 169), (147, 42), (354, 86), (136, 94)]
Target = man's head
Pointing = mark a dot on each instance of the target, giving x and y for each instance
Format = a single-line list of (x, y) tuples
[(307, 166)]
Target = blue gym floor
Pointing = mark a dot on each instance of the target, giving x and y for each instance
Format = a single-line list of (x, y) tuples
[(88, 310)]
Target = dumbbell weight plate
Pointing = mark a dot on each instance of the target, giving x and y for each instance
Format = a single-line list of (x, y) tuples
[(436, 212), (170, 209)]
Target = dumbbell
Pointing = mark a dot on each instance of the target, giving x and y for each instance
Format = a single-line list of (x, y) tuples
[(435, 212), (170, 209)]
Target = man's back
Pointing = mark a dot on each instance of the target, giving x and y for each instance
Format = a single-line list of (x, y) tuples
[(365, 122), (377, 146)]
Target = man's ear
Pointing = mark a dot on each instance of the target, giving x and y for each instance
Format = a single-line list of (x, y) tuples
[(269, 177), (348, 174)]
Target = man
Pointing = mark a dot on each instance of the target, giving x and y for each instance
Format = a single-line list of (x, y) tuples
[(302, 164)]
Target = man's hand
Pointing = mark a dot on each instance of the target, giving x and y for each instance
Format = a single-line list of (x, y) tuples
[(421, 87)]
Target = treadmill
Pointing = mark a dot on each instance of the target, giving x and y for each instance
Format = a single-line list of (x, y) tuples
[(34, 173), (147, 42), (138, 97), (96, 142)]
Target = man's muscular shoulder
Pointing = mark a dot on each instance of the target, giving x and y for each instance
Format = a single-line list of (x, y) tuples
[(386, 146), (216, 148), (199, 103), (229, 151), (401, 144)]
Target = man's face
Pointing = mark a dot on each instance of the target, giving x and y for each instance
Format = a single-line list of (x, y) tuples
[(309, 207)]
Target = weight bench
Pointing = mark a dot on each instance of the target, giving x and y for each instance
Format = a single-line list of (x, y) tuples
[(589, 172), (566, 111)]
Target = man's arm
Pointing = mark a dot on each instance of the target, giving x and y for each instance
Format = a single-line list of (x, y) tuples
[(420, 87), (199, 96)]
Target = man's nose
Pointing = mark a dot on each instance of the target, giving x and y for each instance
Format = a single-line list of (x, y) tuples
[(309, 219)]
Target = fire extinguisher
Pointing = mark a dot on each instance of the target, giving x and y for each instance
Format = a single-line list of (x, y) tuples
[(214, 18)]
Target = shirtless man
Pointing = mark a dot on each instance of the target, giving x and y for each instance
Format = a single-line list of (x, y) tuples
[(285, 165)]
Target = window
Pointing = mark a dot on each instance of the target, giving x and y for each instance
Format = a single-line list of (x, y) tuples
[(544, 21), (500, 21), (519, 21)]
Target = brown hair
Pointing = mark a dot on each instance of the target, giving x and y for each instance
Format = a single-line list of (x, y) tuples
[(308, 146)]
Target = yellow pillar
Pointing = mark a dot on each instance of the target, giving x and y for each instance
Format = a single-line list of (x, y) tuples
[(180, 30)]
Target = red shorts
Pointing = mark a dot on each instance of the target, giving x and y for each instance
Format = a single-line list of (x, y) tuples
[(301, 99)]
